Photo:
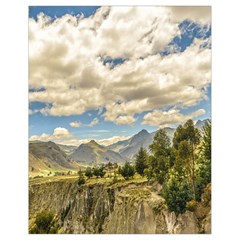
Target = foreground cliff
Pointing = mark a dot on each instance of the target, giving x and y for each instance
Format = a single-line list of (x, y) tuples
[(112, 208)]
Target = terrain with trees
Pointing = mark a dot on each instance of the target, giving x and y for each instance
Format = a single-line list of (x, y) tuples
[(182, 166)]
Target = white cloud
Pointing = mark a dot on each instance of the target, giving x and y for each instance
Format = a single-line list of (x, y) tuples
[(42, 137), (111, 140), (200, 14), (168, 118), (66, 59), (100, 131), (61, 133), (125, 120), (63, 136), (75, 124), (58, 134), (94, 122)]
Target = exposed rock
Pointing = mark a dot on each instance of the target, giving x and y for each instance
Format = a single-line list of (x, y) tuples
[(157, 187), (145, 222), (186, 223), (105, 208), (207, 224)]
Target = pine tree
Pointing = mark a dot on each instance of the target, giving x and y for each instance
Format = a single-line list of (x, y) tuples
[(161, 161), (141, 161)]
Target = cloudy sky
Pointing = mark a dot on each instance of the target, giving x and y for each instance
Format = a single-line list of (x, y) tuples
[(105, 73)]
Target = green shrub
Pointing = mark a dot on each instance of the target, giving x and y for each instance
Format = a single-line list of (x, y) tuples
[(88, 172), (81, 179), (99, 172), (44, 223), (177, 194), (127, 171)]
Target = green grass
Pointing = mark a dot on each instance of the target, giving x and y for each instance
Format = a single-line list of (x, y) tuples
[(68, 178), (92, 181)]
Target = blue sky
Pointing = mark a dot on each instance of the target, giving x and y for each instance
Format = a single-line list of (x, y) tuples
[(100, 76), (59, 11)]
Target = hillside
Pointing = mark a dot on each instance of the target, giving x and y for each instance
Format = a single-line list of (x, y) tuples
[(47, 156), (94, 154), (68, 149)]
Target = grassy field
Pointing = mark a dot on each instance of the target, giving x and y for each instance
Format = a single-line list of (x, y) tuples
[(92, 181)]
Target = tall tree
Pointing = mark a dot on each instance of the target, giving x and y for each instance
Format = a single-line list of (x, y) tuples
[(185, 140), (141, 161), (204, 171), (206, 139), (160, 162)]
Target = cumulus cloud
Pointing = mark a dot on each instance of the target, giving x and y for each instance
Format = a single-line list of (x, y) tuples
[(66, 59), (61, 133), (75, 124), (169, 118), (129, 120), (58, 134)]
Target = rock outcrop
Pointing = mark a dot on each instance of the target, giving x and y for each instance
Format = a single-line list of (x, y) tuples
[(106, 208)]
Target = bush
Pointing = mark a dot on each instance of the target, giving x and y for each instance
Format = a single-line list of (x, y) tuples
[(127, 171), (44, 223), (81, 179), (99, 172), (88, 172)]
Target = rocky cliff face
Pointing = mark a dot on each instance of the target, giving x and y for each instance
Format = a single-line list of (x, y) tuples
[(105, 208)]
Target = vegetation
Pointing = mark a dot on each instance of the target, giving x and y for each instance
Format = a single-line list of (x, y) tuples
[(127, 170), (160, 162), (81, 179), (99, 171), (182, 166), (185, 141), (88, 172), (177, 194), (44, 223), (141, 161)]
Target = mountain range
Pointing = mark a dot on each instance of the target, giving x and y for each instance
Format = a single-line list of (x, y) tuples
[(94, 154), (48, 155)]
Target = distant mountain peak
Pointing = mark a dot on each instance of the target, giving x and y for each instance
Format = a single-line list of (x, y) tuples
[(200, 123), (92, 153), (143, 131)]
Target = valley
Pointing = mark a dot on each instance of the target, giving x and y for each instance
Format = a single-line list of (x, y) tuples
[(94, 189)]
